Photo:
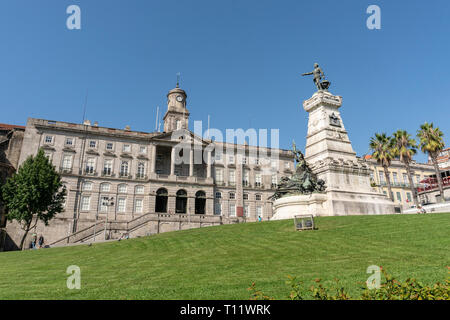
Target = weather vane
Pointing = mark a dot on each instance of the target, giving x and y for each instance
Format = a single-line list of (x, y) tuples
[(178, 79)]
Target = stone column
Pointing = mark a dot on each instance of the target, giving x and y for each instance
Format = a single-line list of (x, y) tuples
[(191, 161), (172, 162), (153, 155), (239, 190), (208, 168)]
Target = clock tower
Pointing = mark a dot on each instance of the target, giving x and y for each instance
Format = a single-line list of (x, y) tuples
[(177, 116)]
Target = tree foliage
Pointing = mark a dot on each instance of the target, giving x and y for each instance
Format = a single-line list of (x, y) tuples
[(432, 142), (34, 193), (404, 147), (382, 151)]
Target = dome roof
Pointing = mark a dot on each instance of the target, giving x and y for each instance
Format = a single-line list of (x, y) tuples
[(177, 90)]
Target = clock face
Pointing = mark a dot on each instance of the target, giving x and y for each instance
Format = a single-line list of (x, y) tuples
[(179, 98)]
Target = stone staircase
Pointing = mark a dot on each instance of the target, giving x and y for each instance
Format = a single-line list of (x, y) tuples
[(102, 229)]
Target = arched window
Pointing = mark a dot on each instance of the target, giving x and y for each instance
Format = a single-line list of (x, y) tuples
[(139, 190), (161, 200), (200, 202), (87, 186), (122, 188), (181, 201), (105, 187)]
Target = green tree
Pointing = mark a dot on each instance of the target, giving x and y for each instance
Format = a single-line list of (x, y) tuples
[(34, 193), (382, 151), (405, 147), (432, 142)]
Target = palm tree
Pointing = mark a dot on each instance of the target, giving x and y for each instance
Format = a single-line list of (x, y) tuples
[(431, 142), (381, 146), (404, 147)]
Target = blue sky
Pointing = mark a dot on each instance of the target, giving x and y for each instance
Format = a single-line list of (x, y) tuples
[(240, 63)]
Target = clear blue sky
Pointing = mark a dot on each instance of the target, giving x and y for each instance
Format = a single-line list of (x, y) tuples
[(240, 62)]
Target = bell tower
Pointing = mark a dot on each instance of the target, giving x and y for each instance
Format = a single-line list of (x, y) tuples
[(177, 116)]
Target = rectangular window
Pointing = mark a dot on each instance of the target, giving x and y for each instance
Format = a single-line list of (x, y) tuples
[(394, 175), (408, 196), (142, 149), (381, 175), (218, 195), (258, 197), (232, 210), (231, 159), (69, 142), (245, 180), (287, 165), (105, 187), (138, 205), (232, 196), (274, 181), (405, 178), (258, 211), (107, 168), (399, 196), (232, 177), (92, 144), (67, 162), (127, 148), (246, 210), (218, 156), (121, 203), (245, 196), (258, 180), (218, 208), (219, 176), (49, 139), (109, 146), (244, 160), (274, 164), (90, 165), (85, 203), (104, 204)]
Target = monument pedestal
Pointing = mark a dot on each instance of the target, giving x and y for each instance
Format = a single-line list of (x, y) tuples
[(288, 207), (330, 155)]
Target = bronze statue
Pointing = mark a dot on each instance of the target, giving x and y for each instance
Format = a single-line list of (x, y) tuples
[(303, 181), (319, 78)]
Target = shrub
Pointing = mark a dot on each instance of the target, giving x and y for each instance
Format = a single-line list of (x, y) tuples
[(391, 289)]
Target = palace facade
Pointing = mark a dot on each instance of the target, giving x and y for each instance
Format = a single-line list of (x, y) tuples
[(140, 183)]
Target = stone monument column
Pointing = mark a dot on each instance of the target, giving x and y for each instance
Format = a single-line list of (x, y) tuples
[(330, 155)]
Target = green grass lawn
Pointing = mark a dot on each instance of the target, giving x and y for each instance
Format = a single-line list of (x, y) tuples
[(221, 262)]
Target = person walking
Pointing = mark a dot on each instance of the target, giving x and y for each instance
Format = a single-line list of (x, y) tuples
[(41, 241), (33, 241)]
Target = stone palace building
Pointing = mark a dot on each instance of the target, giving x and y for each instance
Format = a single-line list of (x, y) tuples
[(128, 182)]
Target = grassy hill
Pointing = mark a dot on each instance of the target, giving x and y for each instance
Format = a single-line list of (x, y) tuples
[(221, 262)]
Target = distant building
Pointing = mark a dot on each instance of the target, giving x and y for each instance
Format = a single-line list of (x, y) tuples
[(443, 159), (399, 179)]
